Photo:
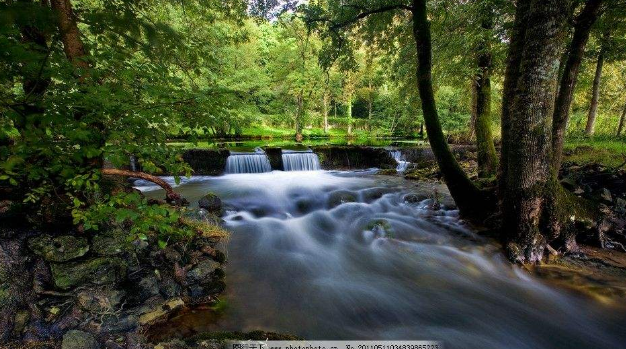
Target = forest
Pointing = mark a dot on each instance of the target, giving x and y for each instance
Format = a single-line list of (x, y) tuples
[(181, 173)]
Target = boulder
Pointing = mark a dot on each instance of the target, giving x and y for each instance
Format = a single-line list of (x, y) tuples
[(201, 273), (75, 339), (161, 312), (110, 243), (212, 203), (99, 271), (58, 249), (605, 195), (339, 197)]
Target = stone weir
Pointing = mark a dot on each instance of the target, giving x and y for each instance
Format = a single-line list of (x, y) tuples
[(214, 161)]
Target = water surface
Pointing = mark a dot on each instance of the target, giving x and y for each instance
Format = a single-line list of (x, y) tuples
[(350, 255)]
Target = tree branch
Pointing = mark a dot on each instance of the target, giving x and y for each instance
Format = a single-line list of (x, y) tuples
[(367, 13), (170, 195)]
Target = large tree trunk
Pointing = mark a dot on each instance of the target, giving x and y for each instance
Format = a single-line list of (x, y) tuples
[(70, 34), (486, 151), (595, 95), (622, 121), (569, 77), (529, 179), (470, 200), (511, 75)]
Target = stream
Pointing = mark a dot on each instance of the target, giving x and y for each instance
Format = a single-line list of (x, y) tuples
[(354, 255)]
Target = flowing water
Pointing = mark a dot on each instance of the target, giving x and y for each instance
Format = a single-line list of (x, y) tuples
[(400, 159), (256, 162), (355, 256), (300, 161)]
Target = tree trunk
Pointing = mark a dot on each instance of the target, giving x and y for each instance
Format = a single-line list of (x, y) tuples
[(70, 35), (511, 75), (370, 102), (529, 183), (569, 77), (349, 112), (299, 113), (470, 200), (325, 111), (622, 120), (486, 151), (593, 108)]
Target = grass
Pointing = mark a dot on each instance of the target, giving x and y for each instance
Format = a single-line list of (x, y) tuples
[(606, 151)]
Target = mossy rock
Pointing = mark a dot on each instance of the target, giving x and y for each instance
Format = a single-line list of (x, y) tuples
[(59, 249), (110, 243), (340, 197), (79, 340), (212, 203), (99, 271), (202, 271)]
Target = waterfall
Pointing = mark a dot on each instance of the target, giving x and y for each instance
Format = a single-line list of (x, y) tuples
[(301, 161), (400, 159), (256, 162)]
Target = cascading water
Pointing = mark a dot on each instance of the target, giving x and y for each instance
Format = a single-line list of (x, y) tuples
[(353, 256), (256, 162), (300, 161), (400, 159)]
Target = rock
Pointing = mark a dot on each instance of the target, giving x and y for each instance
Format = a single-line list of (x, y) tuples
[(110, 243), (97, 271), (202, 271), (414, 198), (161, 312), (339, 197), (75, 339), (100, 300), (148, 287), (606, 196), (60, 248), (20, 321), (169, 288), (620, 206), (569, 183), (211, 203)]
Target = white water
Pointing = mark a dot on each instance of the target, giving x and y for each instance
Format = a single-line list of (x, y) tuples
[(256, 162), (300, 161), (400, 159), (346, 256)]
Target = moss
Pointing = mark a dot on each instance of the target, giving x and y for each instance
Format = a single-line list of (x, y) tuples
[(204, 228), (99, 271)]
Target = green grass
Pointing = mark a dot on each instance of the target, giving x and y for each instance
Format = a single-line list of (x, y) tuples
[(608, 152)]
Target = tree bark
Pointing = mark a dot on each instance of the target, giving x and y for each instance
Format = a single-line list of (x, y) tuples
[(170, 195), (486, 151), (370, 103), (622, 121), (595, 95), (511, 75), (325, 110), (70, 34), (569, 77), (529, 181), (470, 200), (349, 112)]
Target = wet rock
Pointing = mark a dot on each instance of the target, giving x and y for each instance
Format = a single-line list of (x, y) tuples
[(340, 197), (98, 271), (620, 206), (414, 198), (60, 248), (79, 340), (169, 288), (161, 312), (110, 243), (202, 271), (211, 203)]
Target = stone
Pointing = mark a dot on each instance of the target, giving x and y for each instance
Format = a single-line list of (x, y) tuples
[(413, 198), (161, 312), (110, 243), (169, 288), (202, 271), (75, 339), (148, 287), (606, 196), (620, 205), (340, 197), (100, 300), (212, 203), (98, 271), (20, 321), (60, 248), (569, 183)]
